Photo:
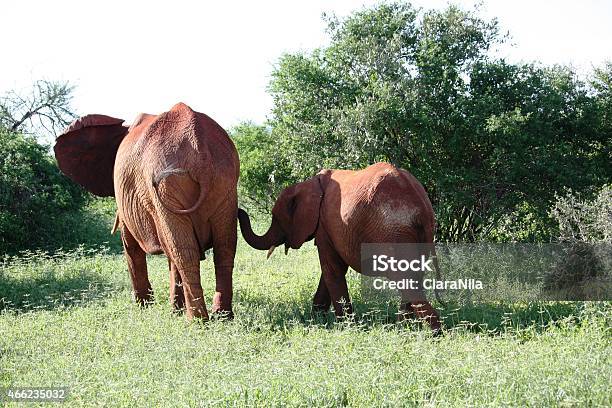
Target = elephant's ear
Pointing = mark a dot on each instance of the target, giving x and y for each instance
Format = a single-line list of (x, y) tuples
[(304, 209), (86, 152)]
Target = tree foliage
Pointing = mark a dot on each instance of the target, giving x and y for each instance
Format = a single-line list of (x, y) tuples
[(33, 193), (262, 173), (491, 141), (46, 108)]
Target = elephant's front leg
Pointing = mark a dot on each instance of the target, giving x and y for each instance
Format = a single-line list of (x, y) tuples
[(137, 266), (177, 296), (333, 270), (224, 250), (322, 299)]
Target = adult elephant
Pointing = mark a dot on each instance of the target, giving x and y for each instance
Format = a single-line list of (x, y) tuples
[(174, 178), (342, 209)]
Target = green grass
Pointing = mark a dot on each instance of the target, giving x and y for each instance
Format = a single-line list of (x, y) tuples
[(67, 319)]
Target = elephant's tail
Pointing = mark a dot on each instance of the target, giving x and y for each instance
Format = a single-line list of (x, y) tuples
[(426, 236), (438, 274), (172, 171)]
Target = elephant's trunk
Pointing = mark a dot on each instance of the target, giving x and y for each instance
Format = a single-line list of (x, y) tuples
[(274, 235)]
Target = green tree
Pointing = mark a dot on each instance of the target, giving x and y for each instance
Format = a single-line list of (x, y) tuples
[(537, 132), (601, 84), (489, 140)]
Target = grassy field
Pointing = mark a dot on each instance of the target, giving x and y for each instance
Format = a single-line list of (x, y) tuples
[(67, 319)]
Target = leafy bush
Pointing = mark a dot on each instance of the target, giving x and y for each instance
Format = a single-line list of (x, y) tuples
[(33, 193), (585, 272), (263, 171), (88, 227), (580, 219)]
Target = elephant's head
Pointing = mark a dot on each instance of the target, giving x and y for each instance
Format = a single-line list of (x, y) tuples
[(86, 152), (295, 217)]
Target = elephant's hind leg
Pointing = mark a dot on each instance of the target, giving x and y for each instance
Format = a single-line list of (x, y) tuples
[(423, 310), (183, 251), (137, 266), (333, 271), (187, 261), (405, 311), (224, 251)]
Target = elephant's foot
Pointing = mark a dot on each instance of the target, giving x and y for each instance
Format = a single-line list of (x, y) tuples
[(438, 332), (144, 298), (222, 315), (405, 313), (222, 307), (425, 311), (177, 298), (343, 309), (318, 308), (196, 314), (195, 308)]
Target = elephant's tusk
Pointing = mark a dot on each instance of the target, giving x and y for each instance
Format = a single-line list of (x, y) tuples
[(116, 224), (272, 248), (286, 249)]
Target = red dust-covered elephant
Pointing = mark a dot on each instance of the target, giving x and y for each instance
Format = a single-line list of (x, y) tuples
[(174, 177), (342, 209)]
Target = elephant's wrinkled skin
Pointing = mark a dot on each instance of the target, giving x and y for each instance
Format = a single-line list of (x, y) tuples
[(174, 177), (341, 209)]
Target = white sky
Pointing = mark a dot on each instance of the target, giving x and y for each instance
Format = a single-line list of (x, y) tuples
[(128, 56)]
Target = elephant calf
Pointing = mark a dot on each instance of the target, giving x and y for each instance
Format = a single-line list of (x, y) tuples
[(341, 209)]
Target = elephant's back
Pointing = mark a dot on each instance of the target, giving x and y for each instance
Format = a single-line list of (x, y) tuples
[(380, 204), (188, 139), (167, 148), (179, 139), (222, 148), (396, 206)]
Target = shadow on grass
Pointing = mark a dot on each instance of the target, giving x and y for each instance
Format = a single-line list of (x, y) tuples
[(51, 293), (498, 317), (485, 318), (89, 227), (38, 280)]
